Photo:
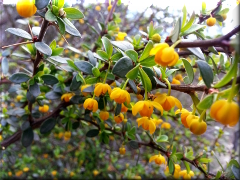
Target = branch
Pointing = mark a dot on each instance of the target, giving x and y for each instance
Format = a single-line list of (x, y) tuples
[(5, 81), (111, 12)]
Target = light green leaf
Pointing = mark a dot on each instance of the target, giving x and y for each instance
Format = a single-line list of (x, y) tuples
[(133, 73), (133, 55), (190, 22), (189, 70), (184, 10), (50, 16), (146, 80), (192, 29), (148, 62), (107, 46), (176, 31), (206, 102), (162, 138), (146, 51), (73, 13)]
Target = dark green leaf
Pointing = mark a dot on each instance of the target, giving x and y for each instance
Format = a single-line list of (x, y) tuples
[(219, 18), (53, 95), (74, 86), (73, 13), (20, 33), (47, 125), (160, 82), (118, 109), (70, 28), (170, 71), (30, 97), (77, 99), (19, 78), (61, 25), (235, 172), (84, 66), (151, 76), (49, 79), (4, 65), (91, 58), (133, 86), (27, 137), (122, 67), (206, 72), (146, 80), (92, 133), (34, 89), (40, 4), (133, 144), (43, 48), (171, 166)]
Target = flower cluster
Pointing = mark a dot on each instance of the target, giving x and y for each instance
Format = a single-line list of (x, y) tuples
[(177, 169), (159, 159), (167, 102)]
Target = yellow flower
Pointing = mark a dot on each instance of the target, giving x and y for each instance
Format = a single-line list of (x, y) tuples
[(54, 173), (81, 21), (164, 55), (19, 173), (120, 36), (139, 97), (109, 8), (227, 113), (199, 78), (211, 21), (119, 118), (72, 174), (95, 172), (175, 81), (19, 97), (98, 8), (84, 87), (67, 36), (197, 127), (90, 104), (145, 108), (120, 96), (184, 114), (177, 170), (166, 125), (10, 173), (148, 124), (67, 135), (1, 138), (185, 175), (167, 102), (60, 135), (67, 97), (43, 108), (104, 115), (26, 8), (156, 38), (26, 169), (45, 156), (124, 108), (159, 159), (137, 177), (179, 77), (101, 89), (122, 150)]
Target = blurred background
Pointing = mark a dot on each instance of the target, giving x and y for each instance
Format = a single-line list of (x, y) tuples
[(59, 156)]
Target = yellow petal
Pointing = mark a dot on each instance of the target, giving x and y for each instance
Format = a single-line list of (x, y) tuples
[(137, 107), (152, 126), (157, 106), (152, 158), (177, 103), (161, 98)]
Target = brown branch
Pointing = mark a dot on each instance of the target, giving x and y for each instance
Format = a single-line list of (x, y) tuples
[(186, 53), (111, 12), (5, 81)]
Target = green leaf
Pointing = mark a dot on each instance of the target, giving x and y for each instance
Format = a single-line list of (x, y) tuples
[(49, 79), (118, 109), (204, 160), (160, 83), (51, 95), (148, 62), (73, 13), (190, 22), (19, 78), (84, 66), (57, 51), (187, 166), (197, 52), (206, 72), (195, 102), (133, 144), (20, 33), (218, 175), (133, 73), (150, 29), (184, 10), (146, 51), (171, 166), (72, 65), (189, 70), (176, 31), (5, 66), (213, 50), (47, 126), (40, 4), (92, 80), (206, 102), (233, 162), (122, 67), (49, 16), (70, 28), (151, 76), (61, 25), (230, 74), (74, 86), (123, 45), (34, 89), (116, 56), (53, 44), (59, 59), (27, 137), (162, 138), (107, 46), (96, 72), (192, 29), (224, 11), (219, 18), (179, 155), (170, 71), (235, 172), (133, 86), (60, 3), (91, 58), (77, 99), (203, 7), (43, 48), (146, 80), (102, 54), (133, 55), (92, 133)]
